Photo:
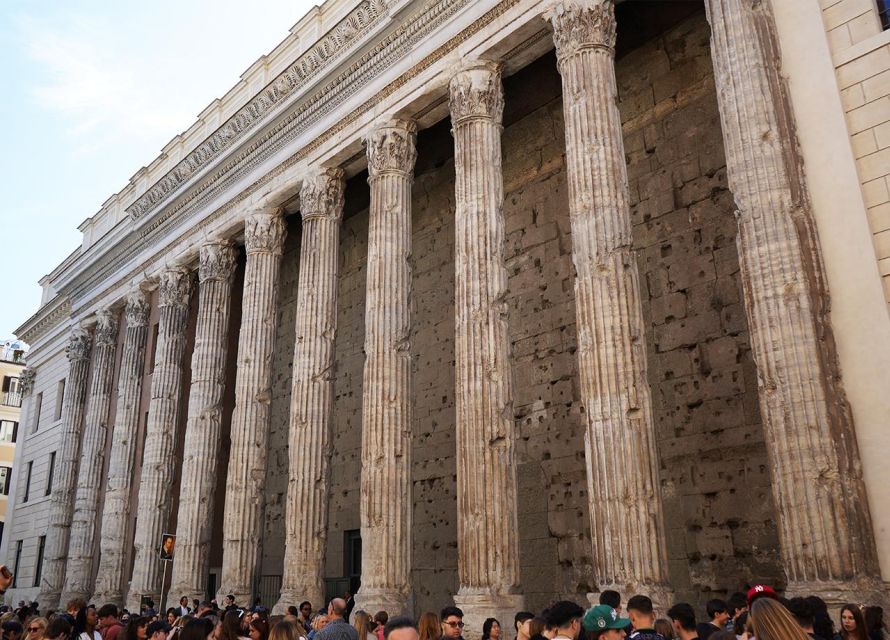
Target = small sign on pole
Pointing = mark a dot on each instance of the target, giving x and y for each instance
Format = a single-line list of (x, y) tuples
[(166, 552)]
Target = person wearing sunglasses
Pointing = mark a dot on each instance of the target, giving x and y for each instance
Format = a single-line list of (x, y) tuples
[(36, 629), (452, 623)]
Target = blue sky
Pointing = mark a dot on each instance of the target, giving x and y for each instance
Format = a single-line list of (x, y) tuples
[(92, 90)]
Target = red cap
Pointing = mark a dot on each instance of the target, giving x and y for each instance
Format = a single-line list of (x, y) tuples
[(761, 591)]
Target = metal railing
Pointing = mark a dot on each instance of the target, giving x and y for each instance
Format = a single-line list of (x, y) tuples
[(12, 398)]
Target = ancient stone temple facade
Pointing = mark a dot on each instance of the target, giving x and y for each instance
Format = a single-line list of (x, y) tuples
[(488, 303)]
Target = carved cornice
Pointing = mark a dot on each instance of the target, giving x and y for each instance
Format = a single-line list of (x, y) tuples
[(26, 380), (264, 232), (321, 195), (137, 308), (307, 66), (216, 261), (582, 24), (79, 344), (46, 318), (106, 328), (392, 147), (174, 287), (476, 92)]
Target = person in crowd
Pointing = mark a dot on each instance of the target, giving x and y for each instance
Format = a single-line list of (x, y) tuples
[(491, 629), (742, 627), (452, 623), (304, 615), (682, 617), (199, 629), (760, 591), (259, 629), (771, 621), (823, 625), (538, 629), (518, 620), (172, 614), (36, 629), (602, 622), (158, 630), (565, 618), (722, 634), (286, 630), (401, 628), (350, 604), (664, 628), (136, 629), (148, 610), (852, 624), (231, 625), (90, 630), (362, 623), (611, 598), (874, 623), (58, 628), (803, 613), (229, 603), (642, 618), (337, 628), (12, 629), (380, 620), (428, 626), (109, 625), (718, 616), (183, 608), (738, 604)]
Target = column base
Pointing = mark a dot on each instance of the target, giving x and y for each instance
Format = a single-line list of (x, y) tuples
[(293, 598), (49, 601), (243, 597), (134, 601), (109, 597), (837, 593), (479, 606), (68, 596), (393, 601), (661, 595)]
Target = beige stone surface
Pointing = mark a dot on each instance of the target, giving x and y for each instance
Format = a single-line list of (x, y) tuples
[(62, 501), (156, 482), (82, 543), (117, 533), (264, 233), (309, 438)]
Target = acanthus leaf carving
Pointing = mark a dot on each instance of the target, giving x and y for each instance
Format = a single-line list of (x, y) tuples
[(264, 232), (106, 328), (321, 195), (582, 24), (392, 147), (216, 261), (476, 92), (175, 287), (137, 308), (27, 377), (79, 345)]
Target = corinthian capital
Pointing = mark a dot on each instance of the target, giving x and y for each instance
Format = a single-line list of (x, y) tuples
[(216, 261), (137, 308), (175, 287), (106, 328), (582, 24), (79, 345), (321, 195), (476, 92), (26, 380), (392, 147), (264, 232)]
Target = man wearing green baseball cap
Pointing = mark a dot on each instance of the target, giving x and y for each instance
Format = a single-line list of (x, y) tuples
[(602, 622)]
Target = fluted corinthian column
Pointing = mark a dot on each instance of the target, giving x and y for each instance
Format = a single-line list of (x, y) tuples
[(825, 529), (321, 205), (62, 500), (200, 459), (82, 544), (488, 549), (264, 233), (116, 522), (386, 389), (156, 485), (622, 463)]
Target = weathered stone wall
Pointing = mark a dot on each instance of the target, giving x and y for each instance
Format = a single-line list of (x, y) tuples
[(715, 483)]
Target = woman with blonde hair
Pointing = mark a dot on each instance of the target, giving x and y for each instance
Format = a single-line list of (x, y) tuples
[(285, 630), (36, 629), (428, 626), (771, 621)]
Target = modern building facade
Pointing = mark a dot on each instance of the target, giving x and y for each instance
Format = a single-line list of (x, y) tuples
[(12, 363), (489, 303)]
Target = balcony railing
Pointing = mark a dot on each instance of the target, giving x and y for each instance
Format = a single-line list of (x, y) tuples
[(12, 398)]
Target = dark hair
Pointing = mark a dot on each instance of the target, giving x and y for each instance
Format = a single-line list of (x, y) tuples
[(874, 622), (802, 610), (129, 632), (451, 611), (304, 603), (520, 617), (683, 613), (231, 625), (486, 627), (536, 627), (737, 601), (611, 598), (823, 625), (293, 611), (400, 622), (716, 606), (643, 604), (107, 610), (722, 634), (13, 625), (381, 617), (197, 629), (860, 633), (563, 612), (261, 625), (58, 627)]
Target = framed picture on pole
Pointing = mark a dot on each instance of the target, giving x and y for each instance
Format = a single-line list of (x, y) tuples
[(168, 546)]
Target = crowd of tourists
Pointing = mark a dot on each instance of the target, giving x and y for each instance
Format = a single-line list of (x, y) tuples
[(761, 614)]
